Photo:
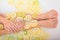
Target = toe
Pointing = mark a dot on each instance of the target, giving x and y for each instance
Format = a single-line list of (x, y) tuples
[(55, 21), (53, 13)]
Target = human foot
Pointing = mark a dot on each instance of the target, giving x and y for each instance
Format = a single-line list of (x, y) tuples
[(48, 15), (51, 23)]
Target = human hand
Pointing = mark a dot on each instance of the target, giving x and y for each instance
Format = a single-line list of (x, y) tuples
[(13, 26)]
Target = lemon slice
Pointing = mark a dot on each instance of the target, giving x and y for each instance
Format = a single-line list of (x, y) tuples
[(34, 23), (27, 6), (34, 31), (36, 2), (11, 2), (20, 14), (30, 24), (20, 35), (19, 19), (34, 15), (1, 27), (27, 37), (28, 18), (27, 26), (11, 16), (38, 33)]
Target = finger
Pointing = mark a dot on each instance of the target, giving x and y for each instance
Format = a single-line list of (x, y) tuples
[(18, 28), (13, 27), (9, 29), (19, 25)]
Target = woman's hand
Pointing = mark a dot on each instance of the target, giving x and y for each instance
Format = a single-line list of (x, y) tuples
[(10, 27)]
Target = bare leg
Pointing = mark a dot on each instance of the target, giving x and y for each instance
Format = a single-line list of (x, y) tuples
[(48, 15), (51, 23)]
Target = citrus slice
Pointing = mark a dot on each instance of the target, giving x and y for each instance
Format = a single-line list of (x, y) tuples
[(1, 26), (38, 33), (34, 15), (11, 16), (34, 23), (20, 14), (28, 18), (20, 35), (19, 19), (27, 37), (27, 25), (11, 2)]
